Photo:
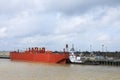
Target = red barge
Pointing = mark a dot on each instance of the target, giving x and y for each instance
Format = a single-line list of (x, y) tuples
[(40, 55)]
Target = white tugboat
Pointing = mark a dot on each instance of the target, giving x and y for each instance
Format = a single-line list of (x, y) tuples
[(75, 58)]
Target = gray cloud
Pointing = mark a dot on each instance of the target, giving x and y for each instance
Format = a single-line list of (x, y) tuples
[(12, 7), (71, 7)]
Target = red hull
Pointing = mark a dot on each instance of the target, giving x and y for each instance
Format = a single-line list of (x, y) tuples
[(36, 55)]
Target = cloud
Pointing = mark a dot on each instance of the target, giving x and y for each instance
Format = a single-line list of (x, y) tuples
[(13, 7), (2, 32), (103, 38), (51, 23), (71, 7), (67, 7), (70, 25), (26, 23)]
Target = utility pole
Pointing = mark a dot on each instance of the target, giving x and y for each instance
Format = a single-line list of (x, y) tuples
[(106, 48), (102, 47), (90, 48)]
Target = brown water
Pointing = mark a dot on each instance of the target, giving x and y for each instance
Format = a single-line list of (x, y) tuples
[(12, 70)]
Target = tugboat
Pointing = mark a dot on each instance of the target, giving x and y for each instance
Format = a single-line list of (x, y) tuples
[(40, 55), (80, 58), (75, 58)]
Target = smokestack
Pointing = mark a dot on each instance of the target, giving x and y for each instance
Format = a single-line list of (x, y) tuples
[(67, 47)]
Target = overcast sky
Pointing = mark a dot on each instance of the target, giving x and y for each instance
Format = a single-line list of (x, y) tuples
[(53, 23)]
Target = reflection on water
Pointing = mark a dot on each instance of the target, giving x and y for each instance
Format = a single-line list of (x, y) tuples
[(13, 70)]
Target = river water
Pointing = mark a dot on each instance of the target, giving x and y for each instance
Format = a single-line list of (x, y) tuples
[(14, 70)]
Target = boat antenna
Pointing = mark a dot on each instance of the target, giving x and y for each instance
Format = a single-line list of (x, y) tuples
[(72, 49)]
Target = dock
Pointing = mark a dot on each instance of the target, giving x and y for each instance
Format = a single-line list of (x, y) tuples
[(100, 58), (109, 62), (4, 55), (97, 58)]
